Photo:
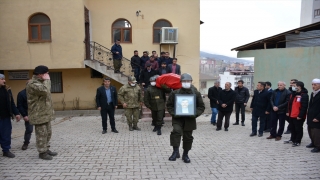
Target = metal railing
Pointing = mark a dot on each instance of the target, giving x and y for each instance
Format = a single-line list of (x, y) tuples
[(103, 55)]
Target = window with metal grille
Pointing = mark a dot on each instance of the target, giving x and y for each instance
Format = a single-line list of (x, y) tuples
[(56, 82), (317, 13), (203, 84)]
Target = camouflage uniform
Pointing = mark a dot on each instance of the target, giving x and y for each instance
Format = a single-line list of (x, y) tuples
[(131, 95), (184, 125), (40, 110), (154, 99)]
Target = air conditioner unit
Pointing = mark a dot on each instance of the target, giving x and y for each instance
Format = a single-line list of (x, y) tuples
[(169, 35)]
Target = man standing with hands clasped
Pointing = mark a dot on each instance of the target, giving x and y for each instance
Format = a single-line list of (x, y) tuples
[(7, 110), (241, 102), (107, 101), (40, 110)]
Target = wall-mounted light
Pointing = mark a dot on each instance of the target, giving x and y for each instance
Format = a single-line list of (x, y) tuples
[(138, 14)]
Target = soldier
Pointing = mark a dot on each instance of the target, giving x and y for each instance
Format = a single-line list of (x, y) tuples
[(131, 98), (183, 125), (40, 110), (154, 99)]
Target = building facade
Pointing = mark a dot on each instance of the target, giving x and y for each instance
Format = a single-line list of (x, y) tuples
[(310, 12), (73, 39)]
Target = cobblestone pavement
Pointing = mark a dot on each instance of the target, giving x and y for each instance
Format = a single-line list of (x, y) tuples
[(85, 153)]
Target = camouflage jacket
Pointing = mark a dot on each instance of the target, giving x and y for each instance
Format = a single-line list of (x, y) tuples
[(40, 107), (155, 98), (190, 121), (130, 95)]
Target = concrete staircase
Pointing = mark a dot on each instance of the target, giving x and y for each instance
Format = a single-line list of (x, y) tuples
[(106, 70)]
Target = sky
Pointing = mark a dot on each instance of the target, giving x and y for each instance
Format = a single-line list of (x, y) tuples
[(232, 23)]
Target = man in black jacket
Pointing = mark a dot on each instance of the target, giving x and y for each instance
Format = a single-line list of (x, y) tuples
[(163, 69), (22, 105), (7, 110), (107, 102), (267, 127), (145, 76), (213, 94), (278, 104), (241, 101), (313, 117), (135, 64), (260, 107), (226, 100)]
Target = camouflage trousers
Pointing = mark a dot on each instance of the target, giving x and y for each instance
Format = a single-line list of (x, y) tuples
[(117, 64), (132, 115), (43, 136)]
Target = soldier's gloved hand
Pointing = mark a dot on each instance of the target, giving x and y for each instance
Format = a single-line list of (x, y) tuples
[(163, 86)]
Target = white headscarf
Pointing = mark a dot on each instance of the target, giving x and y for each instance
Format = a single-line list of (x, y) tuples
[(316, 81)]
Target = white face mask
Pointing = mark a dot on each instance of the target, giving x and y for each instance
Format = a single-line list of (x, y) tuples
[(153, 83), (294, 88), (186, 85), (132, 84)]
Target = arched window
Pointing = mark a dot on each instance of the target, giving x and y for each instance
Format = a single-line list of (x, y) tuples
[(157, 29), (39, 28), (121, 29)]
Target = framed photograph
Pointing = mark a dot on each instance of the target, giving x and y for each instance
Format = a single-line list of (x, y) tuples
[(185, 105)]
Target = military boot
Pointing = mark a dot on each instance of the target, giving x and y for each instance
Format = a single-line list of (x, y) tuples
[(130, 127), (159, 130), (135, 127), (45, 156), (185, 156), (154, 129), (175, 154), (52, 153)]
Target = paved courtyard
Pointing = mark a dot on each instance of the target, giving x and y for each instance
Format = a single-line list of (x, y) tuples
[(85, 153)]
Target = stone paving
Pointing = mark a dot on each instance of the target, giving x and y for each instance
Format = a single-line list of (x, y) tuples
[(85, 153)]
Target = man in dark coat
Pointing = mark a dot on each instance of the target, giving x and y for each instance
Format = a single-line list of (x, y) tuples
[(183, 125), (213, 94), (163, 69), (267, 127), (278, 104), (155, 99), (116, 50), (260, 107), (107, 102), (7, 109), (241, 102), (174, 67), (22, 105), (226, 100), (144, 59), (313, 117), (145, 76), (135, 64)]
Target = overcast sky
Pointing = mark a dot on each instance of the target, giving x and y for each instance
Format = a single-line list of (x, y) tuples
[(232, 23)]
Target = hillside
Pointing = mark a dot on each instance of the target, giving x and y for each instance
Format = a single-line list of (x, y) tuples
[(224, 58)]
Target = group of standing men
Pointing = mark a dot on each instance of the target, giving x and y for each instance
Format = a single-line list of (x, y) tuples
[(35, 106), (270, 108)]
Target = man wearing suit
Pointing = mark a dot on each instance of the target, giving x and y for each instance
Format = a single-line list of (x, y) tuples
[(260, 107), (267, 127), (107, 101), (174, 67), (213, 94)]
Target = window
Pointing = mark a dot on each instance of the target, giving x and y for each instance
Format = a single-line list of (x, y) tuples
[(39, 28), (157, 29), (56, 82), (121, 29), (317, 13), (204, 84)]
